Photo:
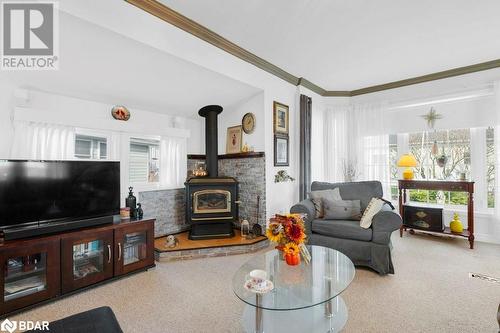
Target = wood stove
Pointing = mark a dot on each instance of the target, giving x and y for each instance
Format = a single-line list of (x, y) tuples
[(212, 201)]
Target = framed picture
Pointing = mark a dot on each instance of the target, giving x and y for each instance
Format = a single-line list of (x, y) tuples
[(281, 150), (233, 140), (280, 118)]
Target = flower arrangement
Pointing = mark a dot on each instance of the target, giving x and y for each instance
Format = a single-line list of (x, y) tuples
[(288, 231)]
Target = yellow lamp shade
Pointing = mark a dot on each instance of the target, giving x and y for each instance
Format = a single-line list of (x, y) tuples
[(407, 161)]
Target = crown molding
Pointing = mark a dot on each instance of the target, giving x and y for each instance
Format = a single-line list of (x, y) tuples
[(154, 7), (429, 77), (311, 86)]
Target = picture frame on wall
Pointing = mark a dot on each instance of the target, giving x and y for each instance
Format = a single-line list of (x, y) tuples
[(281, 121), (281, 150), (234, 139)]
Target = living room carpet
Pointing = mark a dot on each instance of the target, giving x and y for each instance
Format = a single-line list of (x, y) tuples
[(430, 292)]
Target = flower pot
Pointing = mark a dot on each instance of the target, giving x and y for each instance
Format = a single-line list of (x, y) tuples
[(292, 259), (442, 160)]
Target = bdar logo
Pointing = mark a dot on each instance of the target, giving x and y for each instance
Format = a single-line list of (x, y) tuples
[(8, 326)]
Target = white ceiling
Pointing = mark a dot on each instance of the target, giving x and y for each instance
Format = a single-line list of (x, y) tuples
[(100, 65), (352, 44)]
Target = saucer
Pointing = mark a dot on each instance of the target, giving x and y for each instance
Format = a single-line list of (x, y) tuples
[(259, 288)]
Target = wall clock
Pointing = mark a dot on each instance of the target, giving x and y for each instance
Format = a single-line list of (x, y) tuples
[(248, 123)]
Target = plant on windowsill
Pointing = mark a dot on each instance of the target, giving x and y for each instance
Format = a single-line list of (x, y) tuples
[(282, 176)]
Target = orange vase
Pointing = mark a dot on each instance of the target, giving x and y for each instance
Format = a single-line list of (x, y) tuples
[(292, 259)]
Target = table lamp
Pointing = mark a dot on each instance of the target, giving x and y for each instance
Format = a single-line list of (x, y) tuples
[(407, 161)]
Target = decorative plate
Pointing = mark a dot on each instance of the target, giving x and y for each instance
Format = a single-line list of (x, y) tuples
[(259, 288), (119, 112)]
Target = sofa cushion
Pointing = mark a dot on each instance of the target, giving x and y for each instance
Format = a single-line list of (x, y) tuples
[(363, 191), (341, 229), (373, 208), (317, 198), (342, 209)]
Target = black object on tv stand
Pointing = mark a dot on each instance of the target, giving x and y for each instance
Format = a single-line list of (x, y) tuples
[(52, 227)]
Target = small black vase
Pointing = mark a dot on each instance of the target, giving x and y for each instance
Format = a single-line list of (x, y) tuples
[(130, 202)]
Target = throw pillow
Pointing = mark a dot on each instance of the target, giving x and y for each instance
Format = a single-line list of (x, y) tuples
[(342, 209), (317, 198), (373, 208)]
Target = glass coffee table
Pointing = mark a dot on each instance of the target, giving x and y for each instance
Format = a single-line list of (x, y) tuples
[(305, 298)]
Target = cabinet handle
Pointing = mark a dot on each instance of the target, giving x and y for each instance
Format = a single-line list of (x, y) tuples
[(109, 254), (119, 251)]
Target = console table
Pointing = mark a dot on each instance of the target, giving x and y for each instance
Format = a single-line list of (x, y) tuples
[(441, 185)]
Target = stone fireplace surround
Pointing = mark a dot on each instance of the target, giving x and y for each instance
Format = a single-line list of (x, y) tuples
[(248, 168)]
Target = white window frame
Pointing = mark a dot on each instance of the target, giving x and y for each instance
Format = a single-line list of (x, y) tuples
[(126, 139), (98, 134), (478, 171)]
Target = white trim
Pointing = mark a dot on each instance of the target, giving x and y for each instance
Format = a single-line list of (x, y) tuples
[(469, 95), (68, 119)]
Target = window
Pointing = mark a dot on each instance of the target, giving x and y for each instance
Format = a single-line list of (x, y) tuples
[(447, 155), (91, 147), (144, 161), (490, 166), (393, 158)]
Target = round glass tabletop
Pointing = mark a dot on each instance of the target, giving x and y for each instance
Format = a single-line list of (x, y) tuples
[(327, 275)]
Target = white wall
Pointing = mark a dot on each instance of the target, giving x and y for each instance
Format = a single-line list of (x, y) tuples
[(79, 109), (232, 116), (163, 36)]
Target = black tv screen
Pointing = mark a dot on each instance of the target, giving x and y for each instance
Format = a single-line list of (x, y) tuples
[(44, 191)]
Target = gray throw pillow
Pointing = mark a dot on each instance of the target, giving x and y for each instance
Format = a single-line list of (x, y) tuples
[(317, 198), (342, 209)]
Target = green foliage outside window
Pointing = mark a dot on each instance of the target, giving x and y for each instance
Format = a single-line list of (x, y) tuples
[(453, 198)]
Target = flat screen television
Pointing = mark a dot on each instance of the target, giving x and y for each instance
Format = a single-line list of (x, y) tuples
[(38, 197)]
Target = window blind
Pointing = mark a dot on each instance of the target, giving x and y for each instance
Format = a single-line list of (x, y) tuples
[(138, 163)]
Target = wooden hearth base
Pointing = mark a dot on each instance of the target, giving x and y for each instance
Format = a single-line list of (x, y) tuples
[(189, 249)]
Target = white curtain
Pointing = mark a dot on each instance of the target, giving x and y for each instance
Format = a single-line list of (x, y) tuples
[(369, 144), (336, 139), (354, 146), (173, 161), (41, 141), (497, 159)]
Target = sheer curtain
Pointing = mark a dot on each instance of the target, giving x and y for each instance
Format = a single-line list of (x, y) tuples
[(369, 144), (354, 144), (41, 141), (497, 159), (173, 161), (336, 143)]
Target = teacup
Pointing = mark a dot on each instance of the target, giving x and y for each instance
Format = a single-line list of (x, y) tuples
[(258, 276)]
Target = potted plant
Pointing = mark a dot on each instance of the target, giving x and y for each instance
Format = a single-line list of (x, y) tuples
[(288, 232)]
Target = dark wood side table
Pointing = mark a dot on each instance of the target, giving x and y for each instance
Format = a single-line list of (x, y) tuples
[(440, 185)]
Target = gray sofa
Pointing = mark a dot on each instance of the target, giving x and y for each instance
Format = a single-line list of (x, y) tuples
[(365, 247)]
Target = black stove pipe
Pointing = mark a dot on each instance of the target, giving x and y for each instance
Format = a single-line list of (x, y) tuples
[(210, 113)]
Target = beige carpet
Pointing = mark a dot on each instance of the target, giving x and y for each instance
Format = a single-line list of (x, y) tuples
[(430, 292)]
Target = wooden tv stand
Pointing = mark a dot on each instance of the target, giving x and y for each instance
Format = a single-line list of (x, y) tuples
[(41, 269)]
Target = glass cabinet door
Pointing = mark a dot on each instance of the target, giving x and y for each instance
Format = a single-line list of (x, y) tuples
[(134, 247), (88, 258), (25, 275), (30, 272), (134, 243)]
